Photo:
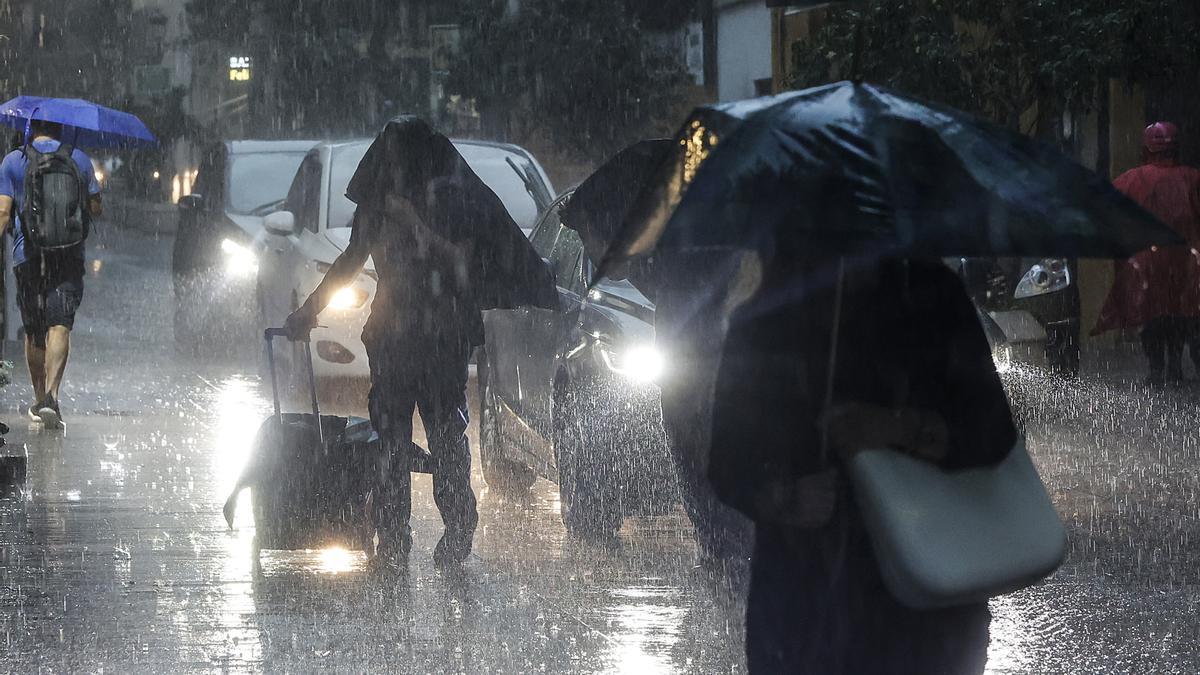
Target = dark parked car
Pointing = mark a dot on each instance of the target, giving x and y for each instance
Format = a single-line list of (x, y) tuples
[(572, 395), (215, 269), (1036, 304)]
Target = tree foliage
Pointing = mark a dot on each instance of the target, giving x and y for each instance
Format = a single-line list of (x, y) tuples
[(330, 63), (582, 72), (999, 59)]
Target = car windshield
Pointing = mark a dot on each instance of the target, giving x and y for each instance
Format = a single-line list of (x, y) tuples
[(490, 163), (258, 180)]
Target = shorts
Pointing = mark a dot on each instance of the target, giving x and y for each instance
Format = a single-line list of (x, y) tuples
[(49, 290)]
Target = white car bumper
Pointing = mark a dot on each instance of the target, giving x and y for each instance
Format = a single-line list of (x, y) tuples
[(337, 346)]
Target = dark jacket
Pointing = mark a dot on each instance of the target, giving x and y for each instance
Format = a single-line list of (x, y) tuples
[(909, 337), (495, 262)]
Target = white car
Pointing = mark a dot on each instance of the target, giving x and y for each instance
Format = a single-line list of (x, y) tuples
[(300, 242)]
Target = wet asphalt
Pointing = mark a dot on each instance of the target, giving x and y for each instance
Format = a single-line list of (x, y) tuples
[(114, 555)]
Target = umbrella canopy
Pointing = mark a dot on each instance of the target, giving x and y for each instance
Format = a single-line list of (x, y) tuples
[(87, 124), (598, 205), (860, 169), (409, 159)]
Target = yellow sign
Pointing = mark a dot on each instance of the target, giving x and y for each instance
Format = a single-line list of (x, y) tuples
[(239, 69)]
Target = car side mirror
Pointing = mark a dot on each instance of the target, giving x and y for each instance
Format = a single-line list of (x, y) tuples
[(192, 202), (281, 223)]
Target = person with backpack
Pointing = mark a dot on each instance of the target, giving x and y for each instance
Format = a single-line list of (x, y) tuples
[(49, 190)]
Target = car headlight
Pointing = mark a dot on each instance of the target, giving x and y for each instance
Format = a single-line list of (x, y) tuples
[(641, 363), (1048, 276), (348, 297), (240, 261)]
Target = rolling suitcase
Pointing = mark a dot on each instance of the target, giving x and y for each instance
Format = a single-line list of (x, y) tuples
[(312, 483)]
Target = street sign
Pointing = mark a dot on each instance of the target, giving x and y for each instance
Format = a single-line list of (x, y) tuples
[(239, 69)]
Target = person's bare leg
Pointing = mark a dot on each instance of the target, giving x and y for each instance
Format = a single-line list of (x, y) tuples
[(58, 347), (35, 356)]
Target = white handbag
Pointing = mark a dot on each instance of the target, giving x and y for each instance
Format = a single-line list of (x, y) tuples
[(945, 538)]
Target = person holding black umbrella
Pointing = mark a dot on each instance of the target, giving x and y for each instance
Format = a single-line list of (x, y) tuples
[(444, 248), (852, 378)]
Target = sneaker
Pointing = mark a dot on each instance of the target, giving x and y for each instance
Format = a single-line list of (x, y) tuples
[(49, 414), (32, 411)]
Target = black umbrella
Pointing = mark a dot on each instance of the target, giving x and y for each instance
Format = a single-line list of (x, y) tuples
[(859, 169), (598, 205), (410, 159)]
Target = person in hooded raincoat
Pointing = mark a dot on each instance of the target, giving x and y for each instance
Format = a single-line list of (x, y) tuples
[(913, 371), (1159, 290), (444, 248)]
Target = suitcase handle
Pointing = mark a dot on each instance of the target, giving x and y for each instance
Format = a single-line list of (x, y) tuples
[(269, 336)]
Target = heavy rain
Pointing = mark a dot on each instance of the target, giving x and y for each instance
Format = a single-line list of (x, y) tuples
[(693, 336)]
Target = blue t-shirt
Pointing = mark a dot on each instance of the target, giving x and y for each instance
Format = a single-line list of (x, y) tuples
[(12, 184)]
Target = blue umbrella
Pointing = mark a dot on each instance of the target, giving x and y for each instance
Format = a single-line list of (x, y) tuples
[(87, 124)]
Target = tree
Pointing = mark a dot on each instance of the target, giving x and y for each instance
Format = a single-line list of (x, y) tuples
[(1003, 59), (73, 50), (580, 72), (329, 63)]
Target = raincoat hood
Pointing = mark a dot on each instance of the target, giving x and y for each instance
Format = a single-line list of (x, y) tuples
[(410, 161)]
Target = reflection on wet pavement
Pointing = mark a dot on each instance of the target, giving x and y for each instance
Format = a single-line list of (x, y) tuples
[(115, 556)]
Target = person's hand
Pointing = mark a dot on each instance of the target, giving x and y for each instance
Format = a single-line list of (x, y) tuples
[(300, 323)]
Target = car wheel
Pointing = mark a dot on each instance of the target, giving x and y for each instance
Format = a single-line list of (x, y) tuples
[(1062, 352), (499, 472), (590, 504)]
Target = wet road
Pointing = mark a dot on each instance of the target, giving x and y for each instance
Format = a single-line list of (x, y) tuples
[(116, 557)]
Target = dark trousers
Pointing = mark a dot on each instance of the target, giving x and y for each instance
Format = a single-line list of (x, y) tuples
[(434, 385), (1162, 342), (817, 604)]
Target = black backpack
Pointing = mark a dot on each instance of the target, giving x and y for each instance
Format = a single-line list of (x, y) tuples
[(55, 211)]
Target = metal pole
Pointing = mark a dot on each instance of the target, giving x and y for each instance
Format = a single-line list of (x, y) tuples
[(312, 388)]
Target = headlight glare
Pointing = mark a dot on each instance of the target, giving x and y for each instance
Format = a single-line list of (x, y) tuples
[(348, 297), (640, 363), (240, 261)]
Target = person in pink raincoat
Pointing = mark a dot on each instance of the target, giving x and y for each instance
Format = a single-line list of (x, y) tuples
[(1159, 290)]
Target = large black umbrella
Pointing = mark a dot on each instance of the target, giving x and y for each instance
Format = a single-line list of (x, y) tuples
[(598, 205), (860, 169)]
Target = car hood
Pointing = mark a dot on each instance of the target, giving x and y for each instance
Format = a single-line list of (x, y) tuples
[(623, 297), (340, 237), (618, 326), (251, 225)]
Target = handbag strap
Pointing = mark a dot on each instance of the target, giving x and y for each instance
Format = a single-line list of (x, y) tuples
[(830, 372)]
